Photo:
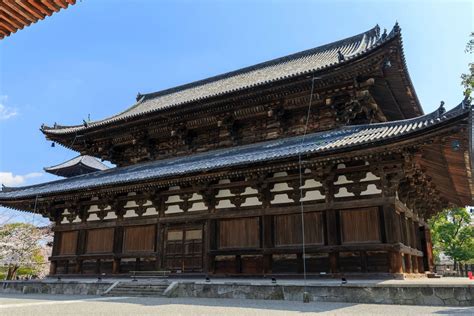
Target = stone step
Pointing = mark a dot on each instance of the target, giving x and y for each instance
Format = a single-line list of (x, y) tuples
[(133, 289), (143, 287), (135, 294)]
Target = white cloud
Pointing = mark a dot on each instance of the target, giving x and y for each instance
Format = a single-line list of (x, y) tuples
[(6, 112), (9, 179)]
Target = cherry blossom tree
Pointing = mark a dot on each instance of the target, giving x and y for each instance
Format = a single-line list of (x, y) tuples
[(20, 246)]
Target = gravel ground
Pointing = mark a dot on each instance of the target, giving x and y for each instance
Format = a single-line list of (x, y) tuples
[(37, 305)]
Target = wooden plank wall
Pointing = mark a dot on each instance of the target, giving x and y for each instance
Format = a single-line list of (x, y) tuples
[(360, 225), (139, 238), (100, 240), (68, 243), (288, 229), (239, 233)]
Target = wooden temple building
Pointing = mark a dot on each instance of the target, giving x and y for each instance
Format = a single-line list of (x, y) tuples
[(220, 176)]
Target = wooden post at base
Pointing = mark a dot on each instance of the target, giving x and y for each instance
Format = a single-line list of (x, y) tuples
[(116, 266), (300, 264), (78, 268), (414, 264), (238, 264), (267, 264), (408, 266), (396, 265), (333, 262), (421, 269), (52, 268)]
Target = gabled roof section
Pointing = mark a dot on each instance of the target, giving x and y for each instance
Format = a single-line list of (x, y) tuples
[(76, 166), (305, 62), (343, 139)]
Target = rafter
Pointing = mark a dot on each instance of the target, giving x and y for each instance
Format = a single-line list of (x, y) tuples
[(7, 26), (14, 14), (11, 20), (60, 3), (51, 5), (14, 6), (25, 5), (39, 7)]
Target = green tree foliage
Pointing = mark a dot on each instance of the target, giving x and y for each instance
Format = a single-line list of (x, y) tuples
[(467, 80), (453, 234)]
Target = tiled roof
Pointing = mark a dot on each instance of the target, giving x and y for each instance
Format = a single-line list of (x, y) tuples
[(301, 63), (345, 138), (76, 166)]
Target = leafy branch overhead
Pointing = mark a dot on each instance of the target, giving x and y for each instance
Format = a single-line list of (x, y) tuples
[(467, 80), (453, 234)]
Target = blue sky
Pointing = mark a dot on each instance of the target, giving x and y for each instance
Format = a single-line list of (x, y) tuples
[(94, 58)]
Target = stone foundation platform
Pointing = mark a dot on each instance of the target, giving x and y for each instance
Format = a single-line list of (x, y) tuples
[(437, 292)]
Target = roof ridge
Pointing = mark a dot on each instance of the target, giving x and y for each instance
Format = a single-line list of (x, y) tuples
[(354, 47), (151, 95)]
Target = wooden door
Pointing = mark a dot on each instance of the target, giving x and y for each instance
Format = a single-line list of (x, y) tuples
[(183, 249)]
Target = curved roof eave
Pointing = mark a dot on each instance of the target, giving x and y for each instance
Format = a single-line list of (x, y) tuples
[(345, 138)]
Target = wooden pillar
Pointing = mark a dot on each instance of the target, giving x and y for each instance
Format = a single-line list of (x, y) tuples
[(299, 260), (334, 262), (78, 267), (332, 229), (414, 264), (210, 244), (117, 249), (116, 266), (159, 247), (332, 238), (404, 235), (238, 264), (207, 245), (52, 267), (391, 224), (407, 258), (80, 249), (363, 261), (395, 261), (56, 242), (429, 247), (421, 268), (267, 242), (97, 266)]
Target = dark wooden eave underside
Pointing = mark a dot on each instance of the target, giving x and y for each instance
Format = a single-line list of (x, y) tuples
[(455, 154)]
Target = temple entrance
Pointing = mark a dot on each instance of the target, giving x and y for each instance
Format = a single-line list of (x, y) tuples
[(183, 249)]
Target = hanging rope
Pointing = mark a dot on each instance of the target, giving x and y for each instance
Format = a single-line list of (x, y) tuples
[(301, 182), (34, 211)]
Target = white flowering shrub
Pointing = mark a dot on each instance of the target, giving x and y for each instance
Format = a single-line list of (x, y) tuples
[(21, 247)]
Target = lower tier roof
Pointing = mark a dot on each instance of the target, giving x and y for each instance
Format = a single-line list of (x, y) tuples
[(342, 139), (76, 166)]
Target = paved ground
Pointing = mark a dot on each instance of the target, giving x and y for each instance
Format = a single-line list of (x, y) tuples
[(19, 305)]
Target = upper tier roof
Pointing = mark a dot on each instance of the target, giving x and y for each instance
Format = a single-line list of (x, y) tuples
[(344, 138), (305, 62), (76, 166)]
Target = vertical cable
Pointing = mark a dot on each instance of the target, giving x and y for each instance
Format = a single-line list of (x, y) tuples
[(301, 183)]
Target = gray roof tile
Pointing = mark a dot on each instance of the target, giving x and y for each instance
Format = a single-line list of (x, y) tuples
[(343, 138), (286, 67)]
